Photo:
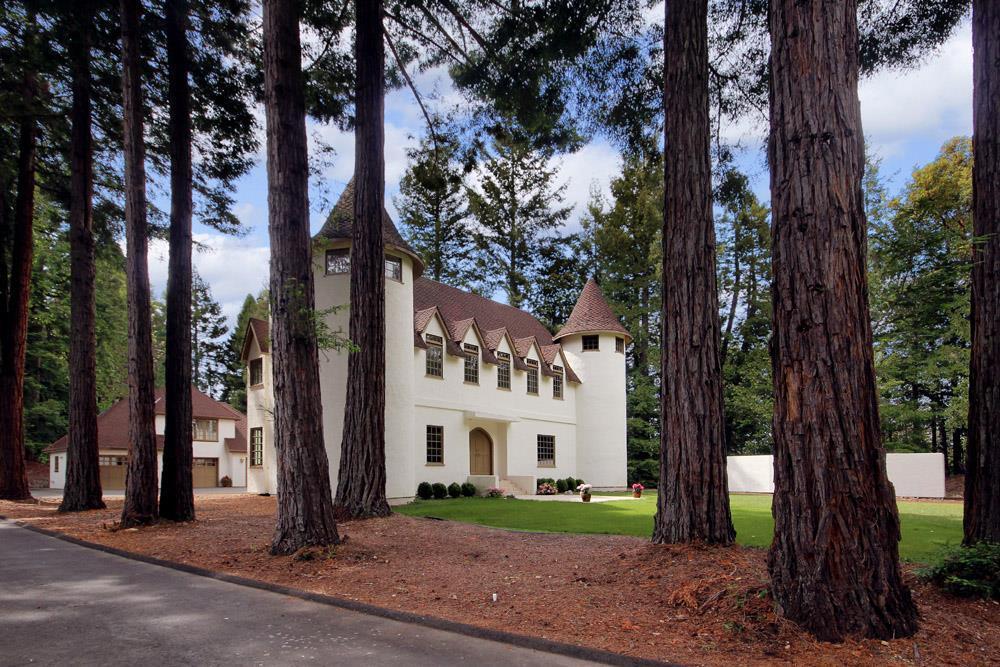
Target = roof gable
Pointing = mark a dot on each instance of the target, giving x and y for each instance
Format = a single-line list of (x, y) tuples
[(261, 332)]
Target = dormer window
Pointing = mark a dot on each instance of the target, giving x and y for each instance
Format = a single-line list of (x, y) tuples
[(591, 343), (338, 260), (532, 376), (557, 382), (472, 364), (503, 370), (434, 363)]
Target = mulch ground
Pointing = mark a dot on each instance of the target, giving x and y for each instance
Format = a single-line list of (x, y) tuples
[(695, 605)]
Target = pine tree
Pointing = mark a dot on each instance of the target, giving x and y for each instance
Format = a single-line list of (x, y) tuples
[(208, 330), (234, 390), (432, 208), (517, 208)]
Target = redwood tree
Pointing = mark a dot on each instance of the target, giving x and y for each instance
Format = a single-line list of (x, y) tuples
[(177, 492), (305, 503), (361, 478), (693, 503), (15, 291), (834, 561), (140, 481), (83, 479), (982, 480)]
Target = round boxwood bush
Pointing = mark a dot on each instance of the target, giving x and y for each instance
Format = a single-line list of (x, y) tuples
[(424, 491), (561, 485), (468, 489), (454, 490), (571, 484), (439, 490)]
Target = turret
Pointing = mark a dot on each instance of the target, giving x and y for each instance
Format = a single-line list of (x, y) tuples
[(332, 265), (594, 341)]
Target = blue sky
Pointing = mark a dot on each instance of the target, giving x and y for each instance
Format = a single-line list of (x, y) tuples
[(907, 116)]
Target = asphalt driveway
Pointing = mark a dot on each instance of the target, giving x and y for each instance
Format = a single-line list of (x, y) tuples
[(61, 603)]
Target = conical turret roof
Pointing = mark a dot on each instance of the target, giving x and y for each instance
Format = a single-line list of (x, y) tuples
[(592, 314), (340, 225)]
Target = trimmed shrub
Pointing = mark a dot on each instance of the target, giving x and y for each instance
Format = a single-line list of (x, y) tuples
[(424, 491), (561, 486), (571, 483), (468, 489), (226, 482), (455, 490), (968, 571), (439, 490)]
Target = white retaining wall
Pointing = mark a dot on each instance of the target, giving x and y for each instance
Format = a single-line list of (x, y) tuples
[(913, 475)]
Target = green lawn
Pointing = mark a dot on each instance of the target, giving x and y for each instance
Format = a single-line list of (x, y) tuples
[(926, 526)]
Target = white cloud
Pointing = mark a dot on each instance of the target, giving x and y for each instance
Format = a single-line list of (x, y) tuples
[(592, 166)]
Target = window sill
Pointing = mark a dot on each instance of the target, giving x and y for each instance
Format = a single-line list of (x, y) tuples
[(434, 465), (433, 377), (504, 388), (256, 465), (546, 465), (476, 384)]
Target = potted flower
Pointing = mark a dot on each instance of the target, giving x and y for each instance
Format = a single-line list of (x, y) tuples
[(584, 490), (637, 490)]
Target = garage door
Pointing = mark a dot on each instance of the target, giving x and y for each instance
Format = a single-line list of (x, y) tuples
[(112, 472), (205, 473)]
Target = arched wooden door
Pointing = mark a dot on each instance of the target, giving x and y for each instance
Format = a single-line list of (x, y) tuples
[(480, 453)]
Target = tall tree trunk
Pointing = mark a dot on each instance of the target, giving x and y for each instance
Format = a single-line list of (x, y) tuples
[(305, 503), (361, 480), (177, 492), (82, 490), (14, 332), (693, 503), (834, 561), (141, 474), (982, 479)]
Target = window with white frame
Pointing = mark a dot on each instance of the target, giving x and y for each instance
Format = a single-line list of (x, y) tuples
[(546, 451), (206, 430), (503, 370), (532, 376), (256, 447), (434, 356), (394, 268), (338, 260), (435, 445), (472, 363)]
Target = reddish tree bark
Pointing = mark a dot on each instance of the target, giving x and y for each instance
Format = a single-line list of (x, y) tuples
[(141, 475), (693, 501), (177, 492), (305, 503), (15, 298), (834, 561), (361, 478), (82, 490), (982, 479)]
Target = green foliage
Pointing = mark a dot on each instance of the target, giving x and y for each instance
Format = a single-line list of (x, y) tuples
[(920, 265), (544, 480), (561, 485), (234, 385), (424, 491), (439, 490), (517, 208), (455, 490), (468, 489), (972, 571), (571, 483)]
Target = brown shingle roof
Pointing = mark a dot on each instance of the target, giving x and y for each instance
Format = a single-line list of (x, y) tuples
[(592, 314), (112, 424), (339, 225), (261, 330)]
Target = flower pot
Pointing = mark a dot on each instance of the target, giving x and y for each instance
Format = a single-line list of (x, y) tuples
[(585, 497), (637, 494)]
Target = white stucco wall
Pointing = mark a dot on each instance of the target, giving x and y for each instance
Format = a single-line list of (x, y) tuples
[(912, 475), (260, 413), (600, 414)]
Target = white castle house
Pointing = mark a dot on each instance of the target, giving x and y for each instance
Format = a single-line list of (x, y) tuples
[(476, 390)]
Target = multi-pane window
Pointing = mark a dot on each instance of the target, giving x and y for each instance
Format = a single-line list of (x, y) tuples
[(532, 376), (394, 268), (591, 343), (256, 446), (434, 358), (206, 430), (256, 372), (557, 382), (503, 370), (472, 363), (620, 345), (338, 260), (111, 460), (55, 465), (546, 451), (435, 444)]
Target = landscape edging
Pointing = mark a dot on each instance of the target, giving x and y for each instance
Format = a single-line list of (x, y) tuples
[(523, 641)]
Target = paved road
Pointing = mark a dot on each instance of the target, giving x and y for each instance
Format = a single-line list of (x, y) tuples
[(65, 604)]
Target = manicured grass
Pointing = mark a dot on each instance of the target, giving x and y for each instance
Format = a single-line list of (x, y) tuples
[(927, 526)]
